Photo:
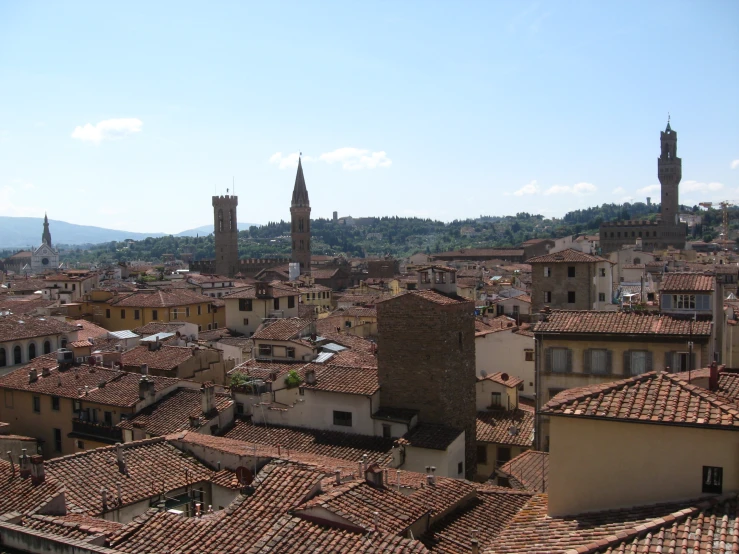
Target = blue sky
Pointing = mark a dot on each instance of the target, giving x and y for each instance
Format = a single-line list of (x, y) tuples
[(129, 116)]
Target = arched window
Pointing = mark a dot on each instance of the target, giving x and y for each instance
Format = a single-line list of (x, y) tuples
[(3, 359), (31, 351), (47, 347), (17, 355)]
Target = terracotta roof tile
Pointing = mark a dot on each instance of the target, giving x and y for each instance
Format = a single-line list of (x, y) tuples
[(154, 327), (431, 296), (432, 436), (651, 397), (687, 282), (348, 380), (75, 526), (17, 327), (528, 471), (165, 358), (728, 385), (506, 379), (620, 323), (283, 329), (250, 292), (160, 298), (21, 495), (174, 412), (514, 427), (334, 444), (566, 256)]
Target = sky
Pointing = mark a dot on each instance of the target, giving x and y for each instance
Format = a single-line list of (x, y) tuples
[(131, 115)]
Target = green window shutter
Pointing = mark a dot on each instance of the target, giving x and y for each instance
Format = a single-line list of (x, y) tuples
[(627, 362), (609, 361), (586, 361)]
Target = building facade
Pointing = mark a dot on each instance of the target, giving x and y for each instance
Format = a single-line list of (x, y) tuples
[(667, 231), (300, 222), (226, 233)]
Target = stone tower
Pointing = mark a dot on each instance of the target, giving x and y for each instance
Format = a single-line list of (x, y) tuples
[(300, 222), (46, 237), (426, 361), (226, 234), (669, 171)]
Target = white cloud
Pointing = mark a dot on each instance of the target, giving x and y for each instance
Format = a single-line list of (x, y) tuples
[(356, 158), (695, 186), (618, 190), (734, 164), (648, 190), (349, 158), (531, 188), (578, 189), (108, 129)]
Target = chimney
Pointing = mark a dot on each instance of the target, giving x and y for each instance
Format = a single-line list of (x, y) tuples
[(118, 492), (32, 375), (37, 469), (373, 476), (146, 388), (337, 472), (713, 377), (45, 371), (12, 464), (310, 376), (475, 546), (104, 494), (194, 421), (25, 465), (144, 369), (120, 458), (208, 398)]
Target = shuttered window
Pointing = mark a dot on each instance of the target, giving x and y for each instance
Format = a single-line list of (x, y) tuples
[(637, 362), (559, 360), (597, 361), (679, 361)]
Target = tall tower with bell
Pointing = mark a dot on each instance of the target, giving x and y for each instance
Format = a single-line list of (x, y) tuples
[(669, 172), (226, 233), (300, 222)]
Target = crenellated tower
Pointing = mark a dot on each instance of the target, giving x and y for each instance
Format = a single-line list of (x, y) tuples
[(300, 222), (226, 232), (669, 172)]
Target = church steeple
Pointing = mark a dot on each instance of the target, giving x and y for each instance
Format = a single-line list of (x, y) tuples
[(300, 193), (46, 237)]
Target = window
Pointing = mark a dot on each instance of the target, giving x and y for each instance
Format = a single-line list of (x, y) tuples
[(529, 355), (559, 360), (209, 326), (31, 351), (80, 444), (239, 408), (570, 296), (504, 455), (290, 302), (55, 403), (17, 355), (482, 454), (108, 419), (440, 277), (571, 271), (63, 342), (137, 314), (215, 325), (637, 362), (424, 277), (244, 304), (37, 404), (460, 468), (246, 321), (342, 418), (713, 479), (174, 313), (515, 310), (155, 315), (290, 352), (265, 350), (637, 261), (187, 311), (277, 303), (601, 297), (47, 348), (547, 296), (200, 310), (597, 361), (602, 271), (386, 431), (123, 314), (57, 440), (547, 271), (679, 361), (495, 400), (3, 358)]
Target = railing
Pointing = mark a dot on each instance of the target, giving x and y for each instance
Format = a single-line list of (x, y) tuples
[(97, 431)]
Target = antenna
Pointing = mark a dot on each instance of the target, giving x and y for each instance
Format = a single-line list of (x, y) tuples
[(233, 185)]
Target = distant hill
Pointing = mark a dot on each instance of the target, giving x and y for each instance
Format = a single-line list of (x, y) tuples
[(204, 230), (22, 232)]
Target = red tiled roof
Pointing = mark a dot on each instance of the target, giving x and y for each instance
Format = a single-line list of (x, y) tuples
[(728, 385), (510, 381), (431, 436), (154, 327), (160, 298), (250, 292), (514, 427), (282, 329), (20, 495), (348, 380), (528, 471), (348, 446), (104, 386), (16, 327), (480, 252), (648, 398), (165, 358), (74, 526), (173, 412), (429, 295), (360, 312), (620, 323), (566, 256), (24, 304), (687, 282), (89, 330)]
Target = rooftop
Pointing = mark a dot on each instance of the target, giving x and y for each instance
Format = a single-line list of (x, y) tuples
[(620, 323), (648, 398), (687, 282), (165, 358), (18, 327), (514, 427), (282, 329), (528, 471), (566, 256), (159, 298), (431, 436)]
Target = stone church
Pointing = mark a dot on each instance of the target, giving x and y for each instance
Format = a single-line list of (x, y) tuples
[(45, 257), (667, 230)]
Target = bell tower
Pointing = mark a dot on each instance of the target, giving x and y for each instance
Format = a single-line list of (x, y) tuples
[(300, 222), (226, 232), (46, 236), (669, 172)]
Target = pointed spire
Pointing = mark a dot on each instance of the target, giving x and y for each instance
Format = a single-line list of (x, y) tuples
[(46, 237), (668, 129), (300, 193)]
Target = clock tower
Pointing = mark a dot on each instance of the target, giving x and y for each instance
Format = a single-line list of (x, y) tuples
[(669, 172)]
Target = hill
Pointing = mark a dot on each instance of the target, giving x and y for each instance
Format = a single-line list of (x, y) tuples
[(208, 229)]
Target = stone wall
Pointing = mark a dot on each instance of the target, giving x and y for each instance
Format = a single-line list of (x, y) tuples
[(559, 284)]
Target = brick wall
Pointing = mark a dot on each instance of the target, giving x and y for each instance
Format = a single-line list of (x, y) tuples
[(559, 284), (426, 362)]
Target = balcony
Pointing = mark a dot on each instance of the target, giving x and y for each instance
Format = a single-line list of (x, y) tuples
[(95, 431)]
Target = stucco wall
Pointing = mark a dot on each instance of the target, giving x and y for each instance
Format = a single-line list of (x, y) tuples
[(506, 351), (446, 461), (599, 465)]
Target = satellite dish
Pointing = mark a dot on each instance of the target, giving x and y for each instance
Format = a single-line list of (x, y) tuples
[(244, 475)]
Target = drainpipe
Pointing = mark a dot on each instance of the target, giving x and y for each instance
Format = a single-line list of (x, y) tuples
[(537, 389)]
